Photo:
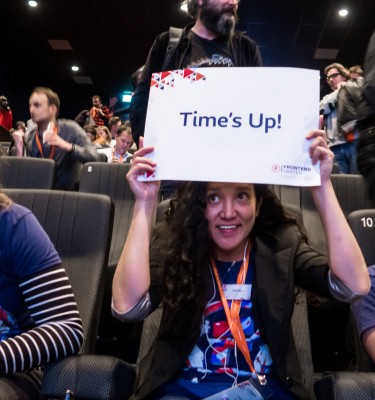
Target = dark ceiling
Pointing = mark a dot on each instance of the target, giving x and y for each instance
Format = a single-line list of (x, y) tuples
[(110, 40)]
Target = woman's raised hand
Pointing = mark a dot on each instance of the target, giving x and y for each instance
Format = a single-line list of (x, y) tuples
[(146, 191), (319, 151)]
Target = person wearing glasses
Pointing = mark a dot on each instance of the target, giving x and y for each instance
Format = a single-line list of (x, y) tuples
[(343, 144)]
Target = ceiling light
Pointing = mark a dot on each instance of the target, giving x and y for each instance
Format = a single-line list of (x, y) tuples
[(343, 12), (60, 44), (326, 54), (75, 68), (184, 7), (33, 3), (127, 97), (83, 80)]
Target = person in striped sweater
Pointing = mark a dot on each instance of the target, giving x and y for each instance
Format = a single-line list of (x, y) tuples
[(39, 320)]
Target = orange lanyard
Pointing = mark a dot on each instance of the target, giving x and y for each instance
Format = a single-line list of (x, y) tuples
[(233, 313), (52, 152), (119, 159)]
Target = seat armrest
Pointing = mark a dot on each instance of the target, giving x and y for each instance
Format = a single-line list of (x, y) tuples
[(346, 385), (93, 377)]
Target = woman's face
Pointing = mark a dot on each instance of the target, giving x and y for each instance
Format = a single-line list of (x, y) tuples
[(102, 133), (231, 212)]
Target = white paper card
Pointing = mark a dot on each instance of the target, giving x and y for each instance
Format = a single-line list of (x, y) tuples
[(233, 125), (237, 292), (243, 391)]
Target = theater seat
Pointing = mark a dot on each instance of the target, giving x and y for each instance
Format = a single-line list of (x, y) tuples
[(332, 346), (80, 226), (110, 179), (362, 223), (26, 172)]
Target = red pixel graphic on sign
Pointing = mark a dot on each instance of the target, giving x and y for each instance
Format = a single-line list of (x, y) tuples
[(162, 79)]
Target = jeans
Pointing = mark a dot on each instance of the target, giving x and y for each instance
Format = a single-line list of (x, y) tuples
[(346, 157)]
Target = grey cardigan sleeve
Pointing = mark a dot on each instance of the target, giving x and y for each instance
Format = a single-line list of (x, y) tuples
[(138, 313)]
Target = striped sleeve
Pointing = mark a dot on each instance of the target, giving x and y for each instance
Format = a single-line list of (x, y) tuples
[(58, 326)]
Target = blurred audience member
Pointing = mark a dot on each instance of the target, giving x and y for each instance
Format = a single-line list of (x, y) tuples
[(63, 141), (133, 147), (100, 143), (90, 132), (113, 99), (124, 140), (102, 132), (21, 125), (6, 116), (19, 131), (343, 145), (99, 113), (355, 72), (113, 125), (83, 118)]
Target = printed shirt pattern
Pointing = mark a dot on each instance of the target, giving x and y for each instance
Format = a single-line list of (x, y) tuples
[(215, 352)]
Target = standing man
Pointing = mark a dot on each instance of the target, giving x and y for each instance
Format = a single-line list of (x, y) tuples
[(342, 144), (61, 140), (210, 41), (99, 113)]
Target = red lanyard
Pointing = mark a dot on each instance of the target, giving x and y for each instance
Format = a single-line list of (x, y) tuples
[(233, 313), (52, 152)]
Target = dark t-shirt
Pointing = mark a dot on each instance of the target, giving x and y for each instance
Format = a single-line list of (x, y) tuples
[(215, 364), (217, 52), (215, 352)]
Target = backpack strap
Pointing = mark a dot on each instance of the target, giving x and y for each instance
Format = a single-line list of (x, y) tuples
[(175, 35)]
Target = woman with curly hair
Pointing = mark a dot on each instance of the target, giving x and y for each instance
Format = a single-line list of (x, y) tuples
[(226, 264)]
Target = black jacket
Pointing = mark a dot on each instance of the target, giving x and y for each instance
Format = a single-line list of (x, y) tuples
[(369, 74), (283, 261), (245, 51)]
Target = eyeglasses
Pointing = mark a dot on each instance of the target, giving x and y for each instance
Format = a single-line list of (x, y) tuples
[(333, 76)]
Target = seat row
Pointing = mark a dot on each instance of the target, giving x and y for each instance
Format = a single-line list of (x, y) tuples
[(70, 218)]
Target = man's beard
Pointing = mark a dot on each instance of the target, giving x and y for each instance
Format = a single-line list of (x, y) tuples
[(217, 21)]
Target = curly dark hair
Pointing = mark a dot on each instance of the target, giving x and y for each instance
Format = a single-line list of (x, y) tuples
[(185, 252)]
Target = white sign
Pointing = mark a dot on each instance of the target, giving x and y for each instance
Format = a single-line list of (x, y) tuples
[(233, 125)]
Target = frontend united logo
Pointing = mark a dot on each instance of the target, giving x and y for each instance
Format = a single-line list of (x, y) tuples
[(290, 169)]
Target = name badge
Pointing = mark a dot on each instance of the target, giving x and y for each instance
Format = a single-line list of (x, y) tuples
[(237, 292)]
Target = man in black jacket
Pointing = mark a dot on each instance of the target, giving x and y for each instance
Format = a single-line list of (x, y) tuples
[(211, 41), (363, 309), (366, 122)]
